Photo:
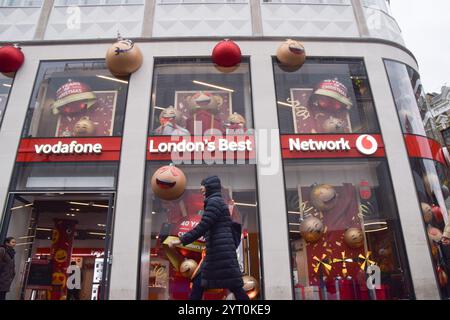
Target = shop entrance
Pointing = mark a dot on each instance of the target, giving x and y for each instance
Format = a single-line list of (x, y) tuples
[(63, 245)]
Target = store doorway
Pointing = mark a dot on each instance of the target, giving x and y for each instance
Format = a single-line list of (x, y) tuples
[(63, 245)]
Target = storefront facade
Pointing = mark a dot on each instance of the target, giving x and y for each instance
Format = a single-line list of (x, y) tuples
[(371, 164)]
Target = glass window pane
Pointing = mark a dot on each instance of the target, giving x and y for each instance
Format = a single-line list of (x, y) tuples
[(160, 277), (5, 88), (190, 96), (65, 176), (342, 217), (325, 96), (76, 98)]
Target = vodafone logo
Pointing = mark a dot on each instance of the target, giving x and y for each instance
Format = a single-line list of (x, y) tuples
[(366, 144)]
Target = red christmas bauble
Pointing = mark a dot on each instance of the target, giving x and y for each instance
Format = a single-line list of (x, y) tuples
[(11, 59), (226, 54), (437, 213)]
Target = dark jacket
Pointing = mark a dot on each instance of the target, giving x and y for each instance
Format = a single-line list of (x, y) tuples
[(220, 268), (7, 268)]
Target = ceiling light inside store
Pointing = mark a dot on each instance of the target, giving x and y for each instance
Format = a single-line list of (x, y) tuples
[(212, 85), (7, 85), (112, 79), (159, 108), (101, 225), (20, 207), (43, 229), (285, 104), (376, 230), (97, 234), (246, 204)]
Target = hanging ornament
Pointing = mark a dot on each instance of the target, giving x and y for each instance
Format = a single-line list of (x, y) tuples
[(11, 59), (344, 260), (251, 286), (84, 127), (291, 55), (331, 96), (312, 229), (427, 212), (73, 97), (434, 234), (322, 263), (437, 213), (365, 261), (226, 54), (354, 238), (323, 197), (168, 182), (188, 267), (123, 57)]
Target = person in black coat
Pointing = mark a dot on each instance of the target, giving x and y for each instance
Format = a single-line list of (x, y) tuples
[(220, 269), (7, 267)]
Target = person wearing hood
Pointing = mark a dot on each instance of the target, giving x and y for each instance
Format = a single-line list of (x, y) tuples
[(7, 267), (220, 268)]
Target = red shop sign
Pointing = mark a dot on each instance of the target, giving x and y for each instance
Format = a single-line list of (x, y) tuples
[(205, 148), (423, 147), (69, 149), (332, 146)]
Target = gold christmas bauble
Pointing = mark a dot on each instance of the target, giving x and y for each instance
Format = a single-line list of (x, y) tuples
[(168, 182), (323, 197), (251, 286), (123, 57), (427, 212), (312, 229), (291, 55), (188, 267), (354, 238), (84, 127)]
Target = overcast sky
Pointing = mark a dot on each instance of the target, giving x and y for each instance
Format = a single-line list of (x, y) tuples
[(425, 26)]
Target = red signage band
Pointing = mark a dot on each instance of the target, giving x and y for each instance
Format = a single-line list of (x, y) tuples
[(424, 147), (332, 146), (69, 149), (204, 148)]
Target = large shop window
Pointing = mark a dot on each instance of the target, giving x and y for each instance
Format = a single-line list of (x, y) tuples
[(410, 100), (325, 96), (343, 220), (76, 99), (192, 97), (5, 87), (429, 169), (163, 275)]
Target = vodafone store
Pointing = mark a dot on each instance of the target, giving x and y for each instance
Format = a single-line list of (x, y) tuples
[(331, 169)]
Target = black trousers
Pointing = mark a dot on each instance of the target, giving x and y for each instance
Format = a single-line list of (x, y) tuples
[(197, 290), (2, 295)]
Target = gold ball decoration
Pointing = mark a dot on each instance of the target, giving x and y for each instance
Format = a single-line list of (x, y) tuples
[(251, 286), (291, 55), (123, 57), (323, 197), (354, 238), (188, 267), (168, 182), (84, 127), (312, 229), (427, 212)]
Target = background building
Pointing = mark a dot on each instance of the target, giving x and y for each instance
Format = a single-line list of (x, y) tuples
[(382, 200)]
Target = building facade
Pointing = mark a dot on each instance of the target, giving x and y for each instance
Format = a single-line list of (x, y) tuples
[(338, 183)]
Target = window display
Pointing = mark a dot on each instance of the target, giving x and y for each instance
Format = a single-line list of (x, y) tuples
[(192, 97), (76, 99), (325, 96), (429, 172), (5, 87), (166, 272), (343, 224)]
